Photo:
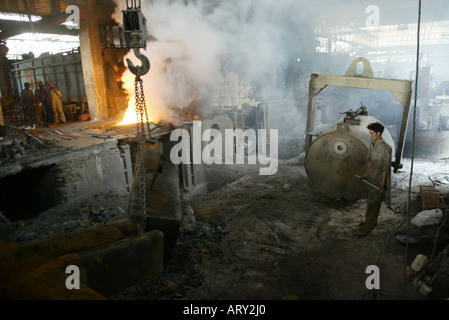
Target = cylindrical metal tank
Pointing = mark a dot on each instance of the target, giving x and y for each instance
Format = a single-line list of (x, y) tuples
[(337, 155)]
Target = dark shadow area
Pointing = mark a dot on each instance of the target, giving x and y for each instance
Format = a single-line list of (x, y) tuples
[(28, 193)]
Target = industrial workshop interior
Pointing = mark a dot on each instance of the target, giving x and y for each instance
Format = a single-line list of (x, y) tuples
[(207, 150)]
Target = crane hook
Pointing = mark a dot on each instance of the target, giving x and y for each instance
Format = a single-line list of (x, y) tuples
[(139, 70)]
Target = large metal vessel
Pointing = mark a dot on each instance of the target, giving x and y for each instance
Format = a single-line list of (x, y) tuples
[(339, 154)]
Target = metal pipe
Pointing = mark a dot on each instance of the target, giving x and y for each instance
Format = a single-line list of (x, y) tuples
[(368, 183)]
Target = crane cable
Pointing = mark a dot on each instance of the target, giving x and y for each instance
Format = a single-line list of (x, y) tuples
[(407, 213), (413, 148)]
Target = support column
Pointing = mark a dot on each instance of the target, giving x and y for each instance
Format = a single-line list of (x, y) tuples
[(5, 83), (2, 122), (92, 61)]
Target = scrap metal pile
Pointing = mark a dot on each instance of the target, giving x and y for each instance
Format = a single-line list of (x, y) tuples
[(17, 149)]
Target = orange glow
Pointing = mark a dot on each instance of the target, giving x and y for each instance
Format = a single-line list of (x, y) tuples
[(155, 110), (130, 114)]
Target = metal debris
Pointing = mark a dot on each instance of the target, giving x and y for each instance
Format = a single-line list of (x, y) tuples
[(55, 135)]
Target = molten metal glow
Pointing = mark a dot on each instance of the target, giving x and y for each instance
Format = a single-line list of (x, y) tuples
[(130, 115)]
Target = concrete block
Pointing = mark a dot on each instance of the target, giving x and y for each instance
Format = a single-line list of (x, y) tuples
[(104, 269), (113, 267), (28, 271), (17, 259)]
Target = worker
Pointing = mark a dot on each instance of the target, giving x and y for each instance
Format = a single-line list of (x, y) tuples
[(56, 97), (28, 103), (378, 173), (43, 100)]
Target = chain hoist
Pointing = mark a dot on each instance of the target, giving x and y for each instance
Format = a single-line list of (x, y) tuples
[(134, 30)]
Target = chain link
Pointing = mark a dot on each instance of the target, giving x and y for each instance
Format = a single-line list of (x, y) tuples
[(145, 109), (141, 113)]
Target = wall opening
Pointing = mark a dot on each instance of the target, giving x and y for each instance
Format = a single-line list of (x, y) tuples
[(28, 193)]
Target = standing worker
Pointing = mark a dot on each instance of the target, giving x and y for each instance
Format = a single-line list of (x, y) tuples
[(29, 104), (378, 172), (56, 97), (43, 100)]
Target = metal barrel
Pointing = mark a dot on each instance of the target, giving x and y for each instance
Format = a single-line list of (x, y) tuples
[(338, 154)]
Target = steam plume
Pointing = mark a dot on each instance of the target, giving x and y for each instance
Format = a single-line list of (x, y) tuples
[(194, 44)]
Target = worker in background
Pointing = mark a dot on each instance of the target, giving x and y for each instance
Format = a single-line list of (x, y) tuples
[(43, 100), (56, 98), (28, 103), (378, 172), (39, 111)]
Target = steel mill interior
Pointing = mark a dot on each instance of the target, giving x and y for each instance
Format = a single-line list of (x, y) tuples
[(192, 150)]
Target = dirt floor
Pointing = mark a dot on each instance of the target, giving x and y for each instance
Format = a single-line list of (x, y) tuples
[(276, 237)]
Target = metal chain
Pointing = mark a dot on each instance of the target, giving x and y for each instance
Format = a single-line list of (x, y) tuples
[(141, 112), (145, 109)]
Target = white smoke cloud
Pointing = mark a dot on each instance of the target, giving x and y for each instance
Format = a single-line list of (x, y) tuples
[(195, 44)]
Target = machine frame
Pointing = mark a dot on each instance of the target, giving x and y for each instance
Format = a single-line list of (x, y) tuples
[(401, 89)]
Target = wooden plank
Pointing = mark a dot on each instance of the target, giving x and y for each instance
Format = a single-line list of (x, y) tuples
[(429, 192), (431, 195), (426, 188)]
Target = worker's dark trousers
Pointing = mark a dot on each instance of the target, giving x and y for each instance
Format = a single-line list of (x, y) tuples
[(49, 115), (374, 202)]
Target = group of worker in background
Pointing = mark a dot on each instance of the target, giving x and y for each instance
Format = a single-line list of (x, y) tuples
[(43, 106)]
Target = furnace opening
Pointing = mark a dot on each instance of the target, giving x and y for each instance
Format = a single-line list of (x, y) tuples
[(28, 193)]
